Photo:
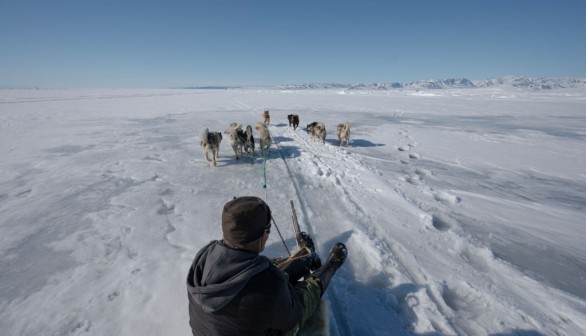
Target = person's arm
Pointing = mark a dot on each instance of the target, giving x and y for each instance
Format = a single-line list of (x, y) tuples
[(287, 309)]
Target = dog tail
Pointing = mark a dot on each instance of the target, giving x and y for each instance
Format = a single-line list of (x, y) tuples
[(347, 125), (203, 135)]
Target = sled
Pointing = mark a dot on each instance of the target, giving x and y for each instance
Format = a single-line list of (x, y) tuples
[(318, 323)]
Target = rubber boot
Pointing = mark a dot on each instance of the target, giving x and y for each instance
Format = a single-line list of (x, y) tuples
[(337, 257), (304, 240)]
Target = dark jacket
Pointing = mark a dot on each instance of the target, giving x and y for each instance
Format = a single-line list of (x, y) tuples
[(236, 292)]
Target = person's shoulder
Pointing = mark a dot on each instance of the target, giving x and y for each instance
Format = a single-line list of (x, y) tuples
[(271, 274)]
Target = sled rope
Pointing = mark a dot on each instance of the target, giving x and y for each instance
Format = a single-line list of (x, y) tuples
[(295, 223), (264, 176), (282, 264), (281, 236), (301, 252)]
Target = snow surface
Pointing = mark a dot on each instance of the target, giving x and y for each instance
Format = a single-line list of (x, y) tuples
[(463, 210)]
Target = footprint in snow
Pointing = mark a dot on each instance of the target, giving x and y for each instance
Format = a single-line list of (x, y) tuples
[(25, 193), (442, 222), (112, 296), (446, 198), (80, 327), (464, 299), (166, 207)]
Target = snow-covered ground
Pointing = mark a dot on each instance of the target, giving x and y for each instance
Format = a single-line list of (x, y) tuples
[(463, 210)]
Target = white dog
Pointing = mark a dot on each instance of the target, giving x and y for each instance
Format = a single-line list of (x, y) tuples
[(210, 142), (237, 138), (264, 137), (317, 130), (344, 133)]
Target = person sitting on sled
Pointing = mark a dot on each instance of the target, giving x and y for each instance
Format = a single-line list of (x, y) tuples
[(232, 290)]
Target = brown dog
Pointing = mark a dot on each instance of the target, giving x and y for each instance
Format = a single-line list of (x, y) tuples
[(266, 117)]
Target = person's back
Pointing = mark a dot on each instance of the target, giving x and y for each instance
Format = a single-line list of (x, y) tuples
[(218, 306), (232, 290)]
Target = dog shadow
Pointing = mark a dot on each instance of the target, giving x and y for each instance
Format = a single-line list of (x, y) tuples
[(333, 142), (279, 139), (363, 143), (230, 160), (290, 152)]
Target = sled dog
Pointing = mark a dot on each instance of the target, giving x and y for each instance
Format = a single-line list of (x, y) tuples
[(266, 117), (344, 133), (210, 142), (249, 142), (264, 138), (317, 130), (237, 138), (293, 121)]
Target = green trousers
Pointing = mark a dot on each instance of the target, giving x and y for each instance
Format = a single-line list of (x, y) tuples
[(308, 292)]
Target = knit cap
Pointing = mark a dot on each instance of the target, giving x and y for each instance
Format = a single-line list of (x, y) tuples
[(243, 221)]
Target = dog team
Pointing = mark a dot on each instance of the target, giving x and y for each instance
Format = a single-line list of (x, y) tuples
[(242, 141)]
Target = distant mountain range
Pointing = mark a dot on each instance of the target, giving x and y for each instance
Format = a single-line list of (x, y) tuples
[(454, 83), (429, 84)]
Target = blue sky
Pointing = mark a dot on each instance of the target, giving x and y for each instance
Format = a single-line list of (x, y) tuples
[(187, 43)]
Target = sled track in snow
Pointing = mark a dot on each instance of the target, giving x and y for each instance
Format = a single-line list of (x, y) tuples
[(341, 324)]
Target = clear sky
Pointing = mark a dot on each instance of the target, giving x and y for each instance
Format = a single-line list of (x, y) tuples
[(170, 43)]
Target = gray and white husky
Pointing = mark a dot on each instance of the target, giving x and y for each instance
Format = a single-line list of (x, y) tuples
[(237, 138), (317, 130), (210, 142)]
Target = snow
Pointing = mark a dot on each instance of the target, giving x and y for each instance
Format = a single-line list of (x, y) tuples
[(462, 209)]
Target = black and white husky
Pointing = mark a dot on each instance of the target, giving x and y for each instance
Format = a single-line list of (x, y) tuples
[(210, 142), (241, 141), (317, 130), (249, 143), (237, 138)]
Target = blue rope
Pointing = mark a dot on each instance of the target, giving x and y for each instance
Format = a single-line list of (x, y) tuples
[(264, 172)]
